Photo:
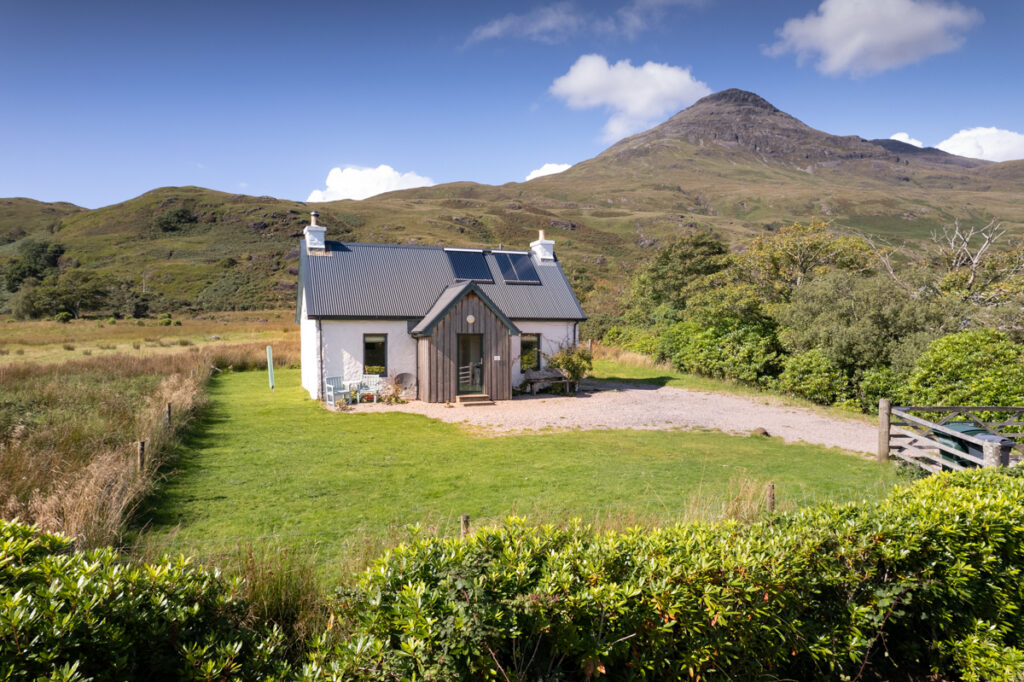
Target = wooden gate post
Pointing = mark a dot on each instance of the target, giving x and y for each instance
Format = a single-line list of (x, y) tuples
[(992, 455), (884, 417)]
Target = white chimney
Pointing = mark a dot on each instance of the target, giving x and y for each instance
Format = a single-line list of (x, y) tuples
[(544, 248), (315, 233)]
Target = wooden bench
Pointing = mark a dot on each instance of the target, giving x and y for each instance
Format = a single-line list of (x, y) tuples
[(534, 377)]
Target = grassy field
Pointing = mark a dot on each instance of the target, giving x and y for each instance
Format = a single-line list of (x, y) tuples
[(264, 464), (45, 341), (76, 398)]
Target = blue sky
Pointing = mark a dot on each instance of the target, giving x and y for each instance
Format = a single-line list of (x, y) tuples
[(102, 101)]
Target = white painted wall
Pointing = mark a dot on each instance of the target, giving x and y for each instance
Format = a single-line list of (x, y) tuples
[(553, 336), (342, 344), (310, 348), (343, 347)]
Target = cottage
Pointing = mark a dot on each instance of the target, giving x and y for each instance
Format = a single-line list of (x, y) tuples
[(447, 323)]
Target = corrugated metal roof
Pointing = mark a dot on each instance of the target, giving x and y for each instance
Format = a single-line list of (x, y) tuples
[(387, 280)]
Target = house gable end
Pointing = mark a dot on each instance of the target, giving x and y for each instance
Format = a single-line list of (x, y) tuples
[(448, 300)]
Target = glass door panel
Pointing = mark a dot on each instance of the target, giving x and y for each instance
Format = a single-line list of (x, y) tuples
[(471, 363)]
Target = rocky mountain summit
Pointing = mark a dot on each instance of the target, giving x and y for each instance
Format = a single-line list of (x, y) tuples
[(734, 120)]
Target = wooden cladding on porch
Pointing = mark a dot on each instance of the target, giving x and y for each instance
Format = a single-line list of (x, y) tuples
[(438, 354)]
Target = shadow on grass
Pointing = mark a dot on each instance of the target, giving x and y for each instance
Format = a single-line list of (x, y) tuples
[(636, 382), (159, 508)]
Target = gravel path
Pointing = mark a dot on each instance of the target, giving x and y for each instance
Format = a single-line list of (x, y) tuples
[(632, 406)]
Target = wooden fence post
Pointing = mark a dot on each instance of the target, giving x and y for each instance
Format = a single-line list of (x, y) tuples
[(464, 525), (884, 418), (168, 415), (142, 454), (992, 455), (770, 502)]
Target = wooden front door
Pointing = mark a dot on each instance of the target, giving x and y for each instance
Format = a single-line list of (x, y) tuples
[(471, 363)]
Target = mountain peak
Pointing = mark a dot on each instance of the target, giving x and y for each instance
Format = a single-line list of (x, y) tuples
[(737, 98)]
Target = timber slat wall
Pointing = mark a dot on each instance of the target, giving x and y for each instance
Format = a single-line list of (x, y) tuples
[(438, 354)]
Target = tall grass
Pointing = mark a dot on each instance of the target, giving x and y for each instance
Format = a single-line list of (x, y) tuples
[(68, 432)]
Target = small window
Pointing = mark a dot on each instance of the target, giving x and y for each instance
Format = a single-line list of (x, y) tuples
[(375, 354), (529, 354)]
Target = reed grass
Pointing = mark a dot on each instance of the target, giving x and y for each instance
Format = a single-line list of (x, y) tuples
[(69, 432)]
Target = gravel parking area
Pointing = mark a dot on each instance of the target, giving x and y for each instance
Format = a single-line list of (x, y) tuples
[(633, 406)]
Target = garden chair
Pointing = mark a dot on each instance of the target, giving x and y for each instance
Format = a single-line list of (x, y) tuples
[(370, 385), (336, 388)]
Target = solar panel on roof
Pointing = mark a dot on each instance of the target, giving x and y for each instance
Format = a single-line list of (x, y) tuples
[(508, 273), (517, 268), (469, 265), (527, 274)]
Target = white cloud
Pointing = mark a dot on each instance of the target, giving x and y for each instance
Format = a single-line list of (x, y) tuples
[(992, 144), (549, 24), (354, 182), (547, 169), (556, 22), (864, 37), (636, 95), (906, 138)]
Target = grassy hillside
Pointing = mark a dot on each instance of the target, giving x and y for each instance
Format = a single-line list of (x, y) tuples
[(21, 218), (732, 163)]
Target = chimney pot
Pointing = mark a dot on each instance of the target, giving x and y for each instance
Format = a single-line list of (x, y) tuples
[(315, 234), (543, 248)]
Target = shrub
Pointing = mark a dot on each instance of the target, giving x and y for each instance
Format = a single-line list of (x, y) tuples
[(63, 317), (740, 353), (636, 339), (574, 362), (876, 384), (980, 367), (811, 375), (923, 584), (164, 322), (105, 619), (174, 219)]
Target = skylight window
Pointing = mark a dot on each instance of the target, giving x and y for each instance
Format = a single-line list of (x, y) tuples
[(517, 268), (469, 265)]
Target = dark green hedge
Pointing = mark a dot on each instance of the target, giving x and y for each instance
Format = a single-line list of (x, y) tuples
[(927, 582)]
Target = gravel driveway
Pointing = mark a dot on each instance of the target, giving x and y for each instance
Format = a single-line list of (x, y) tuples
[(633, 406)]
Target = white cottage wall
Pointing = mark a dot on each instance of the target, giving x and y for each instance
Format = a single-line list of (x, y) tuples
[(343, 347), (553, 336), (310, 353)]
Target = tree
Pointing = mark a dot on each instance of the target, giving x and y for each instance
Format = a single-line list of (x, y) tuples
[(35, 259), (859, 322), (676, 270), (779, 263), (963, 263), (74, 292), (174, 219)]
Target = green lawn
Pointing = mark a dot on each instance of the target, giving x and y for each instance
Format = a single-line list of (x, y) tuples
[(261, 463)]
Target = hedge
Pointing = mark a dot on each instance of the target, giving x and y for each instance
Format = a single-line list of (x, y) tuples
[(925, 583), (87, 615)]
